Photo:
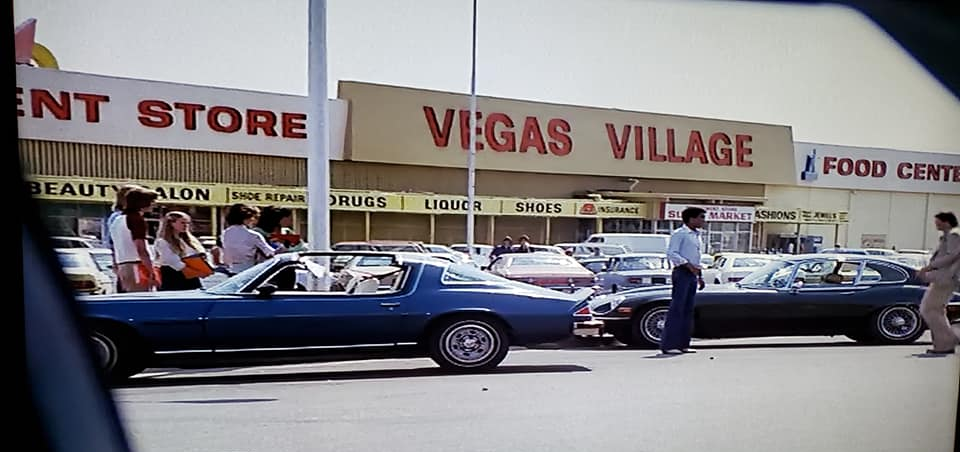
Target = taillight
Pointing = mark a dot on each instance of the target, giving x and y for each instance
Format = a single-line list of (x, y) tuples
[(83, 285), (635, 280), (583, 311), (734, 279)]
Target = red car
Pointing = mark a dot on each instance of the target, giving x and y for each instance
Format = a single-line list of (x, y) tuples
[(549, 270)]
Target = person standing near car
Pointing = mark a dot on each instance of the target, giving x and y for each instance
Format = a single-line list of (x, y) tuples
[(128, 234), (242, 247), (524, 245), (684, 251), (119, 204), (175, 243), (504, 247), (943, 274)]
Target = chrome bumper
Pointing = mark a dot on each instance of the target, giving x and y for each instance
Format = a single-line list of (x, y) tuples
[(592, 327)]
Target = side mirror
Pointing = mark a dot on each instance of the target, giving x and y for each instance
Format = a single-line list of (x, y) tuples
[(266, 290)]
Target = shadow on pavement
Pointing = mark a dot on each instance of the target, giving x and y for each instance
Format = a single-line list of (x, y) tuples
[(708, 346), (336, 375)]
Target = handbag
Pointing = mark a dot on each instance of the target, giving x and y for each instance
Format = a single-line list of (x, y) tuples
[(196, 267)]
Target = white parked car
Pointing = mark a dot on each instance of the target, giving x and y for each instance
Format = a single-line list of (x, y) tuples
[(86, 275), (635, 243), (481, 253), (732, 267), (64, 242)]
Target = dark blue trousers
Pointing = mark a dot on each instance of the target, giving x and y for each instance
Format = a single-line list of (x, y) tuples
[(679, 323)]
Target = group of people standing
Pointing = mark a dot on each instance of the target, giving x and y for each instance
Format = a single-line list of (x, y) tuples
[(252, 236), (507, 246)]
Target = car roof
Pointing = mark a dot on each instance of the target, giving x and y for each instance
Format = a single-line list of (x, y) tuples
[(620, 256)]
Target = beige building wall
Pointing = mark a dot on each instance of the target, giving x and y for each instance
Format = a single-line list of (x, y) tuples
[(788, 197), (905, 219)]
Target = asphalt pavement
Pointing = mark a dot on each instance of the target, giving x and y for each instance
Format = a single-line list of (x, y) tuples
[(775, 394)]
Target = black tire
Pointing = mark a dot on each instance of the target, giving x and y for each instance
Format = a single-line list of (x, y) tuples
[(895, 325), (647, 326), (469, 343), (119, 355), (622, 333)]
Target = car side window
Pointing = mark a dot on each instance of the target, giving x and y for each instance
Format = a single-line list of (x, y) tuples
[(312, 278), (875, 272)]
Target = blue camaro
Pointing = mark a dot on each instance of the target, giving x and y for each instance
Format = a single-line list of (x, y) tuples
[(463, 318)]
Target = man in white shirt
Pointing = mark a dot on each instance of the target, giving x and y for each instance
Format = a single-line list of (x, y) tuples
[(684, 251)]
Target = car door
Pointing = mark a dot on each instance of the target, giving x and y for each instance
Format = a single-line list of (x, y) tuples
[(303, 318), (837, 309), (819, 305)]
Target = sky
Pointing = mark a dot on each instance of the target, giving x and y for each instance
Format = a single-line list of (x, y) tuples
[(828, 72)]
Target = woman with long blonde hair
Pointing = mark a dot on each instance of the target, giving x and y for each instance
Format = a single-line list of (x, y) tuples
[(176, 242)]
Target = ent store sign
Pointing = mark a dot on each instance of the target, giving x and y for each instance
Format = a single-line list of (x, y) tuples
[(74, 107)]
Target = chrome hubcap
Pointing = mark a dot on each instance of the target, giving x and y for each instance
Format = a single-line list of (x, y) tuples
[(104, 352), (898, 322), (653, 324), (470, 343)]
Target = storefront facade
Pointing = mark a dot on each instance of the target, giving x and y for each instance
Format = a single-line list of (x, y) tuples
[(554, 172)]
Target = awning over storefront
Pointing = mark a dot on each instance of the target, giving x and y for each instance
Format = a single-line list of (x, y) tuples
[(683, 196), (79, 189)]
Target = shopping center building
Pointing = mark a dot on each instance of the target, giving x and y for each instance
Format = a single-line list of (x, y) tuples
[(554, 172)]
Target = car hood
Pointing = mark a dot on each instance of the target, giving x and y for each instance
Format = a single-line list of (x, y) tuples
[(536, 272), (640, 273), (152, 296)]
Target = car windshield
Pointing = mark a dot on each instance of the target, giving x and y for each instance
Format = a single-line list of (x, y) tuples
[(436, 249), (541, 259), (775, 274), (642, 263), (76, 260), (238, 281), (750, 262)]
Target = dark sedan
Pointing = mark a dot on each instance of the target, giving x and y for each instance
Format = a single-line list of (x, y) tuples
[(463, 318), (869, 299)]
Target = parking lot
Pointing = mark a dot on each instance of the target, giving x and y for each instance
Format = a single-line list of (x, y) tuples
[(785, 394)]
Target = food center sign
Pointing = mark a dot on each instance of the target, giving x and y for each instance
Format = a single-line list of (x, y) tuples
[(827, 166), (727, 214), (104, 191), (410, 126), (75, 107)]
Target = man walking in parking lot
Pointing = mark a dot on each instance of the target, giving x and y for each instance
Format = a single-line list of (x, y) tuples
[(943, 274), (684, 252)]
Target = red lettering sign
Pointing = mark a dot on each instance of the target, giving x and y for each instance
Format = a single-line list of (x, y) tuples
[(499, 132)]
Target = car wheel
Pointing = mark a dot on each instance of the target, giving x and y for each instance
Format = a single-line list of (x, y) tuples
[(117, 355), (648, 326), (469, 344), (896, 325)]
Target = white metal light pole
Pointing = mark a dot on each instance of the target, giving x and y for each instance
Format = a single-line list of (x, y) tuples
[(472, 155), (318, 135)]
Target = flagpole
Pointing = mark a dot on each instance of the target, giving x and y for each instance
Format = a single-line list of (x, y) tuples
[(318, 138), (472, 154)]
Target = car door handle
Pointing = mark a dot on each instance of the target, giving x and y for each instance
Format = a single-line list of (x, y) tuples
[(390, 304)]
